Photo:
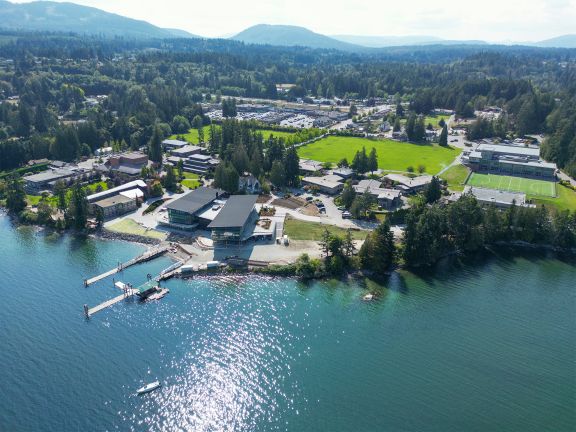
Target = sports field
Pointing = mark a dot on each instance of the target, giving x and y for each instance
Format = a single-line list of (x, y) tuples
[(192, 135), (392, 155), (513, 184)]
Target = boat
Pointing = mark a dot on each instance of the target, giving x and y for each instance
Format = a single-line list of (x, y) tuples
[(368, 297), (160, 293), (149, 387)]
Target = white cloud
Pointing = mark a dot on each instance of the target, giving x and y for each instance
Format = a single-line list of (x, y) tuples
[(491, 20)]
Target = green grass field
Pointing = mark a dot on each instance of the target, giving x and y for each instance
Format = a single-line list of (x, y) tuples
[(455, 177), (513, 184), (129, 226), (191, 180), (302, 230), (392, 155), (431, 119), (566, 199), (192, 135)]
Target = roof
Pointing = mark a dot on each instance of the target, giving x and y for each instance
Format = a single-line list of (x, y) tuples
[(133, 155), (185, 150), (409, 182), (133, 193), (496, 196), (199, 157), (195, 200), (175, 143), (50, 175), (235, 213), (310, 165), (343, 172), (515, 150), (374, 186), (127, 186), (112, 201), (330, 181)]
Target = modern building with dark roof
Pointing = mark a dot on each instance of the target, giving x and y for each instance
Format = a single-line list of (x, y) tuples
[(234, 222), (186, 210)]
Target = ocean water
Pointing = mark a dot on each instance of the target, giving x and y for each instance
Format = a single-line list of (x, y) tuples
[(488, 345)]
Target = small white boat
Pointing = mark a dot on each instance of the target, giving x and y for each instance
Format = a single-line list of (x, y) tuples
[(368, 297), (149, 387)]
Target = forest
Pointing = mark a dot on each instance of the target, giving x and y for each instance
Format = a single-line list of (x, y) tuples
[(157, 82)]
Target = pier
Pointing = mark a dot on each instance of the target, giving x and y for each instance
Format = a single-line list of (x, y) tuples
[(91, 311), (146, 256)]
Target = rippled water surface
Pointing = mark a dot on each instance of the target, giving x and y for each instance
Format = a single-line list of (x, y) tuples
[(489, 346)]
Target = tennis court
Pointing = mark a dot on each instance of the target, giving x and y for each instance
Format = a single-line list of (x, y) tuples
[(513, 184)]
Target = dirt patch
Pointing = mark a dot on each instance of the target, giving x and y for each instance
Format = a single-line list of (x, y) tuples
[(310, 210), (263, 199), (291, 203)]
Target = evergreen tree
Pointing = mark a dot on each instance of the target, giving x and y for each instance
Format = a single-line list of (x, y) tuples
[(155, 146), (372, 164), (15, 195), (292, 167), (348, 195), (78, 207), (378, 252), (444, 136), (278, 174), (170, 183), (433, 191)]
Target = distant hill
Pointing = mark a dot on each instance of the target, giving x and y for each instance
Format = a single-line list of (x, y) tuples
[(284, 35), (70, 17), (565, 41), (393, 41)]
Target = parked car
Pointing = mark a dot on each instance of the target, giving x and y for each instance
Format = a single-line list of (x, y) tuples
[(309, 199), (346, 215)]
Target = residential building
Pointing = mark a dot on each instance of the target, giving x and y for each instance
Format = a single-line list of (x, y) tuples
[(308, 166), (116, 205), (345, 173), (510, 160), (185, 212), (387, 198), (249, 184), (409, 185), (236, 221), (330, 184)]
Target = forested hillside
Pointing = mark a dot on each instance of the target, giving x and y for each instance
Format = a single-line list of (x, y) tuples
[(153, 81)]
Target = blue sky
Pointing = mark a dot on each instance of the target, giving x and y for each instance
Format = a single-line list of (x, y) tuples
[(491, 20)]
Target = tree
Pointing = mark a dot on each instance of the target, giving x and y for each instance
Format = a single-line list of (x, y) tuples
[(60, 193), (421, 169), (433, 191), (399, 110), (155, 146), (15, 195), (170, 182), (78, 207), (444, 136), (180, 167), (348, 245), (180, 124), (378, 252), (348, 195), (343, 163), (397, 125), (372, 164), (353, 111), (278, 174), (292, 167)]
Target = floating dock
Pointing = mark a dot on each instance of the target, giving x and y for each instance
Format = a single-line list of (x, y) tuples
[(91, 311), (146, 256)]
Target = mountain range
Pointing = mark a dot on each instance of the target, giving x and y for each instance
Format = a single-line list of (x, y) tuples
[(70, 17)]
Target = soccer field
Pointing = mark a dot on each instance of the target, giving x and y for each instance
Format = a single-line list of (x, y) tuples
[(513, 184)]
